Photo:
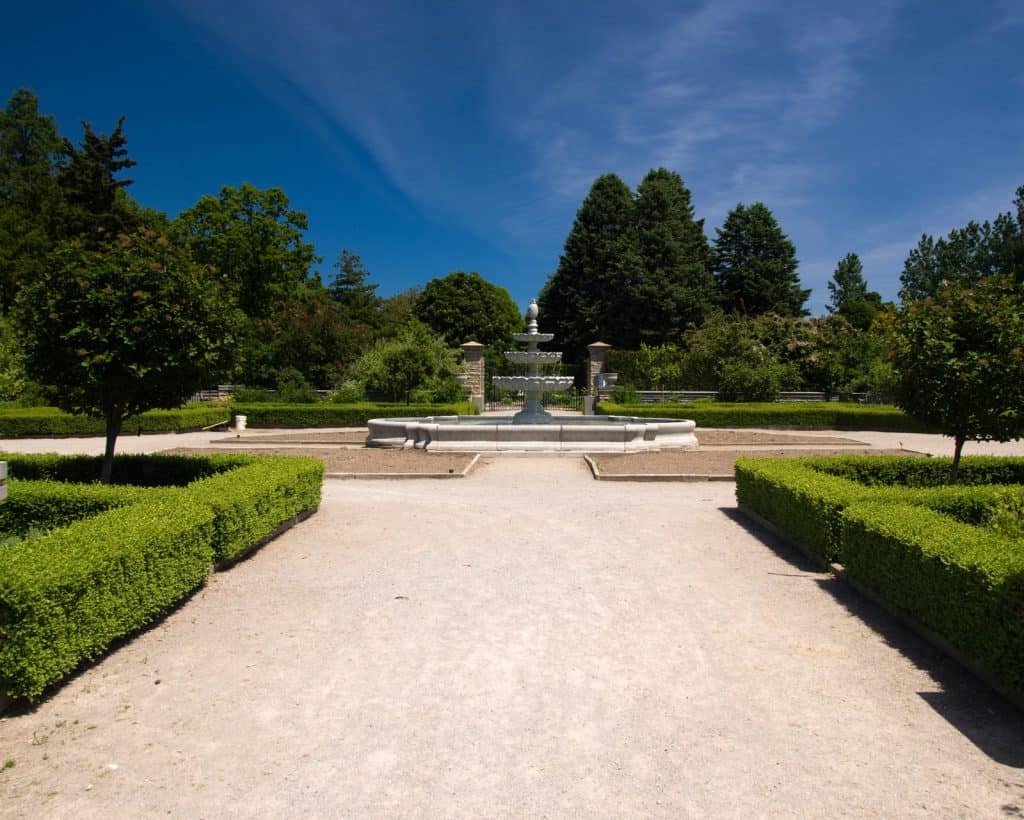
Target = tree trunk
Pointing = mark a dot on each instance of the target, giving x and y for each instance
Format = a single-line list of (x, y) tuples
[(955, 469), (114, 421)]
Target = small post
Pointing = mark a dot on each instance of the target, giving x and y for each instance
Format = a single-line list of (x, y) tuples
[(595, 367), (473, 372), (3, 482)]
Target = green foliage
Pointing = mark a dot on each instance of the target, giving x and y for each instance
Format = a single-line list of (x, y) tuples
[(849, 294), (329, 414), (625, 394), (150, 470), (901, 471), (465, 307), (966, 256), (67, 596), (960, 357), (807, 415), (44, 422), (959, 581), (253, 241), (31, 155), (96, 207), (676, 288), (743, 382), (1006, 515), (250, 503), (348, 392), (755, 265), (416, 358), (15, 385), (46, 505), (583, 300), (350, 290), (133, 326), (292, 388)]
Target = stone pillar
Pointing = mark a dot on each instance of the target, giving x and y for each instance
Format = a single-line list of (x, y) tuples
[(595, 367), (472, 375)]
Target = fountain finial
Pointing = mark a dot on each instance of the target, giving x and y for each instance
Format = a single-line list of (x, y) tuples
[(531, 317)]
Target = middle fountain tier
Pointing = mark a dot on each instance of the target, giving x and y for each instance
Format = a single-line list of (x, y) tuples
[(534, 384)]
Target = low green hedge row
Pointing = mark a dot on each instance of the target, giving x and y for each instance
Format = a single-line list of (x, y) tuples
[(806, 497), (48, 505), (67, 595), (25, 422), (151, 470), (339, 415), (961, 582), (808, 415), (251, 502), (919, 548)]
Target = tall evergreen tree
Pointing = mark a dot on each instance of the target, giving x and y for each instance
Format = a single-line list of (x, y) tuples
[(96, 207), (582, 300), (31, 155), (349, 289), (755, 265), (966, 256), (849, 294), (676, 289)]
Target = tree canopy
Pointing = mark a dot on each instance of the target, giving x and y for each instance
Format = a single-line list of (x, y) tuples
[(960, 358), (849, 294), (755, 265), (464, 307), (254, 242), (126, 327), (600, 263)]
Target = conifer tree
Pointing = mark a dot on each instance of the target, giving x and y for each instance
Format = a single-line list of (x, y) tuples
[(349, 289), (96, 207), (582, 300), (31, 154), (849, 294), (755, 265), (676, 289)]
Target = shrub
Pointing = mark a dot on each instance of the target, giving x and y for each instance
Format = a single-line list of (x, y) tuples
[(743, 381), (349, 392), (46, 505), (1006, 514), (805, 415), (49, 421), (625, 394), (962, 582), (65, 597), (251, 502), (292, 388), (152, 470), (328, 414)]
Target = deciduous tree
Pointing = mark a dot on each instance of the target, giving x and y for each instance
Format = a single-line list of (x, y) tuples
[(125, 327)]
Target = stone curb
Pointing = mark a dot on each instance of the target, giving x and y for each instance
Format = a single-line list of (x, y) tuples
[(402, 476), (678, 477)]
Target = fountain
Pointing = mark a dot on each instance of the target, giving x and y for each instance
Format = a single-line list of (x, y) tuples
[(532, 428)]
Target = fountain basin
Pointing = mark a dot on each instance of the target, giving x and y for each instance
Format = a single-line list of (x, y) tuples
[(587, 434)]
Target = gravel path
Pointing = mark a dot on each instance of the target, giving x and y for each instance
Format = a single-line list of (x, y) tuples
[(524, 642)]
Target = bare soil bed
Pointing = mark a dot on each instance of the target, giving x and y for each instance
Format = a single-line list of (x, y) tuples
[(744, 438), (363, 461), (709, 462)]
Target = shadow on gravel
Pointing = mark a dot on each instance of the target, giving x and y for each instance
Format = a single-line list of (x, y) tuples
[(978, 712)]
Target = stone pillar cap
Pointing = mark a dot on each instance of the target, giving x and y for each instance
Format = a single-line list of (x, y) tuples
[(597, 344), (472, 344)]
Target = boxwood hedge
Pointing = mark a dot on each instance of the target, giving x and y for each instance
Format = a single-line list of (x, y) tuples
[(807, 415), (67, 595), (27, 422), (921, 549), (151, 470), (339, 415), (959, 581)]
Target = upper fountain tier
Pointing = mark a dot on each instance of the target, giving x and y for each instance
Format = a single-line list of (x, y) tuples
[(532, 337)]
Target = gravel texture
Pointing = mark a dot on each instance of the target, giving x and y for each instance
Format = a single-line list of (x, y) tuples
[(525, 642)]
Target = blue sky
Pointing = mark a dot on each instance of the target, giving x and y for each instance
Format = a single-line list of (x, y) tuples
[(432, 137)]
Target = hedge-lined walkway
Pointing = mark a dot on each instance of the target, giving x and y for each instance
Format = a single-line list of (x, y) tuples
[(525, 642)]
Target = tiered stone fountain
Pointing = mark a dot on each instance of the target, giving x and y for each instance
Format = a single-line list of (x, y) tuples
[(532, 428)]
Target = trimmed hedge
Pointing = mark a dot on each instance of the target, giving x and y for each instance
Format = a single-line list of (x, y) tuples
[(151, 470), (250, 503), (921, 549), (65, 597), (959, 581), (808, 415), (48, 505), (28, 422), (340, 415), (806, 497)]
